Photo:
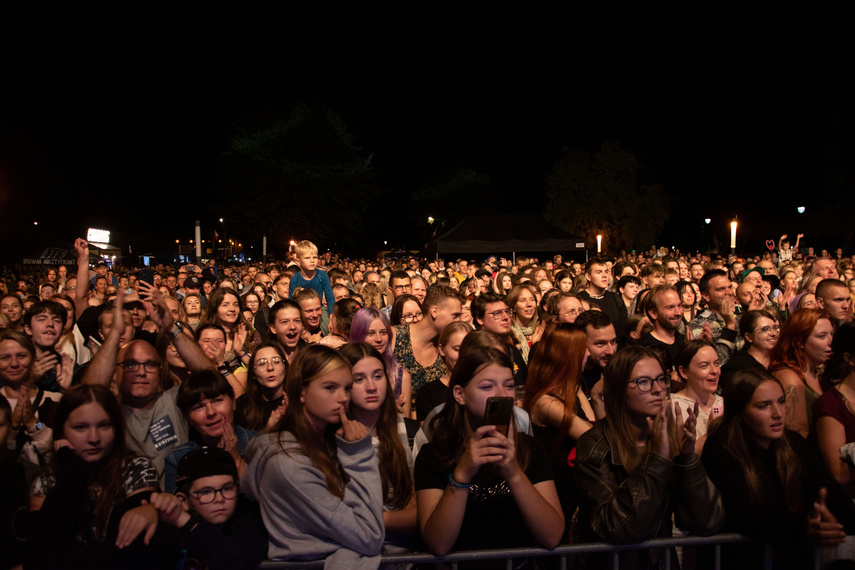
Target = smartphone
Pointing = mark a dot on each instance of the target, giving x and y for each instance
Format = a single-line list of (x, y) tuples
[(146, 274), (498, 413)]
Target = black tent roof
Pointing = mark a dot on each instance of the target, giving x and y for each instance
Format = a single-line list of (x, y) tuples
[(505, 233)]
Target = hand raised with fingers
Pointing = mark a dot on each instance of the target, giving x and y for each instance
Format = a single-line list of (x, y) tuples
[(276, 415), (158, 311), (45, 363), (659, 430), (65, 371), (350, 430), (240, 338), (686, 429)]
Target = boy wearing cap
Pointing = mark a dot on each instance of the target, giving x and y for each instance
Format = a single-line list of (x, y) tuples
[(218, 527)]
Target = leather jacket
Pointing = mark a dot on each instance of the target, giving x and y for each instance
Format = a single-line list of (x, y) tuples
[(625, 508)]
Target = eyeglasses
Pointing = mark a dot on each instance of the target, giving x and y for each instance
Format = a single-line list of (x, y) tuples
[(207, 495), (402, 287), (768, 329), (262, 362), (645, 383), (500, 314), (133, 365), (412, 318)]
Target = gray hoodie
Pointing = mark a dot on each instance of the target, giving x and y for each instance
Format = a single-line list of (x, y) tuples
[(304, 521)]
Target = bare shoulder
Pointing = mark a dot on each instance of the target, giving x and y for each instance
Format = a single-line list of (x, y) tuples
[(789, 378)]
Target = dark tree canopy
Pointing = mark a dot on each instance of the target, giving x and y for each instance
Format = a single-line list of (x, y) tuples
[(451, 196), (604, 193), (297, 178)]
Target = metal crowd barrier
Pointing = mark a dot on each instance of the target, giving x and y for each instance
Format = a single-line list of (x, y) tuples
[(509, 554)]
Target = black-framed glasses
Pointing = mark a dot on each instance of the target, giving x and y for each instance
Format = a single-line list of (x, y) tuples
[(406, 287), (414, 318), (208, 494), (645, 383), (133, 365)]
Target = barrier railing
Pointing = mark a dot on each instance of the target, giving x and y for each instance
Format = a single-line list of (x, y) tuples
[(510, 554)]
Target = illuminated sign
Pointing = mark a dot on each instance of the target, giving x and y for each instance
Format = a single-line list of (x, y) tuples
[(98, 236)]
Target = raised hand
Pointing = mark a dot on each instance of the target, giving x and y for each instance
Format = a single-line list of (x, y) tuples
[(157, 311), (686, 430), (658, 430), (45, 363), (65, 371), (81, 246), (24, 412), (350, 430), (240, 338), (276, 415)]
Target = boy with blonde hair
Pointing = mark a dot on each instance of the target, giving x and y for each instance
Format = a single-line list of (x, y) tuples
[(309, 276)]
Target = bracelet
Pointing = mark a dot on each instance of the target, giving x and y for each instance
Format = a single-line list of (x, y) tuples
[(176, 329), (242, 356), (195, 519), (455, 484)]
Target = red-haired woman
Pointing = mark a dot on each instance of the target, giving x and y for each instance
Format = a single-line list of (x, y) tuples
[(804, 346), (559, 416)]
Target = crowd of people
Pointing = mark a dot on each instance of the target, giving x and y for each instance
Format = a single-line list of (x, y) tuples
[(320, 407)]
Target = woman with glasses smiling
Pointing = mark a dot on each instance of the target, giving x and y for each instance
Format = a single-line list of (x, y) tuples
[(638, 465)]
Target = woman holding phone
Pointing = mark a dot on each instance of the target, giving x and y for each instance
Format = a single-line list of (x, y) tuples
[(476, 487)]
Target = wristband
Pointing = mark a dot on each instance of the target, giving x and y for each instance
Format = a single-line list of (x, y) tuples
[(176, 329), (191, 524), (455, 484), (225, 370)]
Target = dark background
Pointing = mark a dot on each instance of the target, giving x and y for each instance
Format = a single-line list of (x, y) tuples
[(123, 127)]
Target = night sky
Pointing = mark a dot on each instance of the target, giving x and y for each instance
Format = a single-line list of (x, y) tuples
[(126, 136)]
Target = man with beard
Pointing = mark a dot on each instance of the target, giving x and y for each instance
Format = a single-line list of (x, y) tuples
[(601, 345), (665, 312)]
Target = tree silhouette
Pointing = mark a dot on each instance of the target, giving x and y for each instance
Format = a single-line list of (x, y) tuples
[(297, 178), (590, 194)]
